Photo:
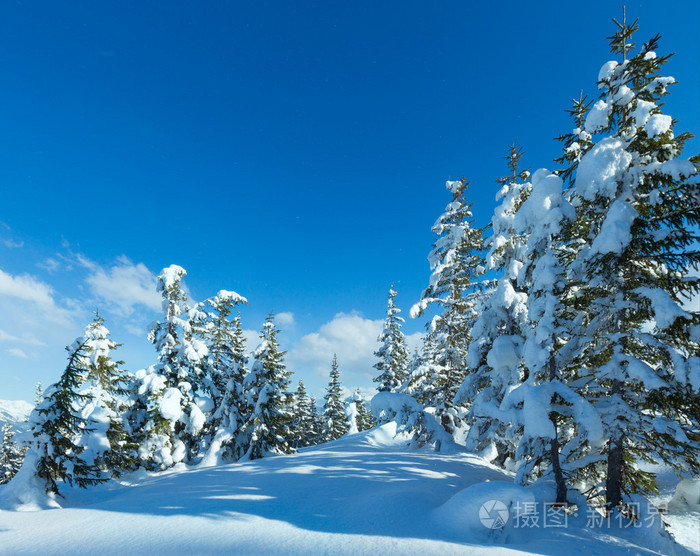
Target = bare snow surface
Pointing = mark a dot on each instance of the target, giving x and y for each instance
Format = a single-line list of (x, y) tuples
[(366, 493)]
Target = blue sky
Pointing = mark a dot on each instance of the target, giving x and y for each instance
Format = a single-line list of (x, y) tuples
[(295, 152)]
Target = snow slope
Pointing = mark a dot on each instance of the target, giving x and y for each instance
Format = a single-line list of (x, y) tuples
[(363, 494), (15, 412)]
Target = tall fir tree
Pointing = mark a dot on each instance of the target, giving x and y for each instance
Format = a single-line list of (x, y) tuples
[(269, 415), (494, 355), (392, 354), (334, 419), (638, 211), (227, 368), (167, 411), (550, 416), (457, 264)]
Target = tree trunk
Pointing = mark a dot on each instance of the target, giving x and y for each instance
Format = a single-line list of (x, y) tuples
[(613, 484), (554, 444)]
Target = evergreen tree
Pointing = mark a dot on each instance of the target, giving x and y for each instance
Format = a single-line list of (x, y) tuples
[(174, 413), (57, 426), (494, 357), (638, 210), (422, 379), (11, 455), (268, 412), (363, 416), (305, 429), (456, 263), (227, 366), (545, 394), (392, 355), (107, 438), (334, 418), (38, 394)]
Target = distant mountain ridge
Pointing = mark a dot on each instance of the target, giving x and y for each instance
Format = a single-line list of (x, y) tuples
[(15, 412)]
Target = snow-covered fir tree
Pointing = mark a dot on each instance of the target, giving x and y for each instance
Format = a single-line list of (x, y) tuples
[(638, 208), (358, 415), (38, 394), (457, 264), (227, 368), (225, 342), (392, 354), (107, 437), (55, 454), (268, 410), (494, 357), (335, 422), (11, 454), (550, 417), (305, 427), (164, 410)]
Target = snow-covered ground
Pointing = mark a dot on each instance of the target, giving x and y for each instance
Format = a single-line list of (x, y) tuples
[(363, 494), (15, 412)]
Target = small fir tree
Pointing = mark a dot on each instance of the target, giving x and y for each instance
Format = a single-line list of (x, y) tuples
[(107, 438), (57, 426), (392, 354), (267, 428), (11, 455), (334, 418), (305, 429)]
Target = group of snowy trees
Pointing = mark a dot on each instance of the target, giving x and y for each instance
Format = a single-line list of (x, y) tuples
[(564, 344), (199, 403)]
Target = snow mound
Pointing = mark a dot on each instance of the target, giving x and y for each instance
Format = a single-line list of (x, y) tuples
[(687, 496), (484, 510), (26, 492)]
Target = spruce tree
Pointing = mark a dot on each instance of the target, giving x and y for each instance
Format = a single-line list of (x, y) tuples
[(269, 417), (638, 210), (57, 427), (107, 437), (334, 419), (457, 264), (38, 394), (363, 416), (546, 393), (181, 358), (305, 429), (11, 455), (494, 356), (392, 355), (227, 368)]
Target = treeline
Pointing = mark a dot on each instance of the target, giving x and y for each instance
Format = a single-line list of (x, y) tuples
[(200, 403)]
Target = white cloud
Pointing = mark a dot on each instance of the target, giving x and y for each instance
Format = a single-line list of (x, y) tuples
[(37, 296), (29, 340), (286, 319), (123, 286), (13, 244), (350, 336), (17, 353), (51, 265)]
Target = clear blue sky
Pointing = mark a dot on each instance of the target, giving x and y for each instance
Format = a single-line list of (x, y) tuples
[(294, 152)]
